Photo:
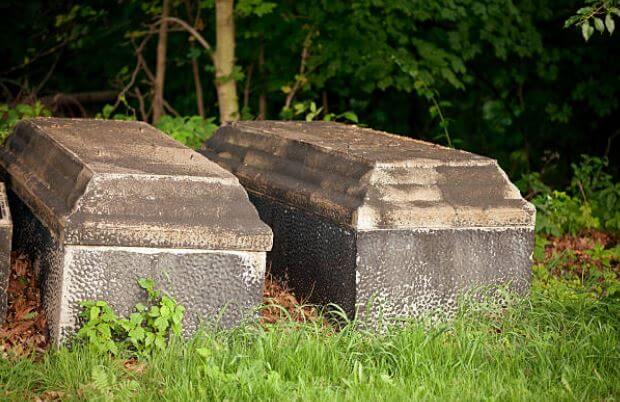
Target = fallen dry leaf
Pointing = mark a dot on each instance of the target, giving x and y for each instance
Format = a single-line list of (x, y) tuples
[(50, 396), (134, 366)]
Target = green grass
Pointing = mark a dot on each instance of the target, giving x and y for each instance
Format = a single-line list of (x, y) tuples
[(561, 347)]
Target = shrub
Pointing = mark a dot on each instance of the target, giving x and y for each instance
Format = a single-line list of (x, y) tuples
[(189, 130), (598, 190), (559, 213), (10, 115), (591, 201)]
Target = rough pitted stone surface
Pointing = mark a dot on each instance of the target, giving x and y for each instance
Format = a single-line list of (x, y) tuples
[(363, 218), (6, 230), (104, 203)]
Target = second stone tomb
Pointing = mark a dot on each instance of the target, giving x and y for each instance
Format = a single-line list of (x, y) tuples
[(379, 224)]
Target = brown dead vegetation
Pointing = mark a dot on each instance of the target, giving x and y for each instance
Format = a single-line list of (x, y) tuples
[(281, 304), (25, 329), (579, 248)]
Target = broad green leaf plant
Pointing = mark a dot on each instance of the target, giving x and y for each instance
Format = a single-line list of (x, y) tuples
[(10, 115), (147, 329), (597, 16)]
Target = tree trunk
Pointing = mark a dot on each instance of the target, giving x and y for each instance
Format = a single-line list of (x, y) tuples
[(262, 98), (198, 85), (195, 67), (225, 61), (160, 72), (247, 90)]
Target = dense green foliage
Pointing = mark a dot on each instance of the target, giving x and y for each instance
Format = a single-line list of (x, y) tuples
[(10, 115), (191, 131), (591, 201), (498, 77)]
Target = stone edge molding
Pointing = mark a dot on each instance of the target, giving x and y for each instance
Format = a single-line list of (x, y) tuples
[(99, 204), (6, 236), (67, 185), (379, 217), (367, 179)]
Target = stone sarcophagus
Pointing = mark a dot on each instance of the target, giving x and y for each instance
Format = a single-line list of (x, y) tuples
[(101, 204), (6, 236), (377, 223)]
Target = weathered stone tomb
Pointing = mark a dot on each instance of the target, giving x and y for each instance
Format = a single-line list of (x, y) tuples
[(100, 204), (362, 218), (6, 235)]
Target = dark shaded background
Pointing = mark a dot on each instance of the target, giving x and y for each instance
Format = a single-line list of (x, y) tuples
[(512, 82)]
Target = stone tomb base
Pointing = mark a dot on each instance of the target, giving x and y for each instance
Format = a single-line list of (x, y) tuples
[(392, 273), (73, 273)]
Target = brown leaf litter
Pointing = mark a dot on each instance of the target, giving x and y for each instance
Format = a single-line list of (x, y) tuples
[(281, 304), (577, 257), (25, 329)]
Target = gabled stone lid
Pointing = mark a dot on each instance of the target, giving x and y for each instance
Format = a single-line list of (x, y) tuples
[(368, 179), (119, 183)]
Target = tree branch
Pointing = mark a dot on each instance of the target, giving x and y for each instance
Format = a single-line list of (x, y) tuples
[(203, 42), (145, 67), (195, 67), (36, 57), (81, 97), (141, 103), (171, 109), (247, 89), (132, 81), (299, 81), (160, 70), (47, 76)]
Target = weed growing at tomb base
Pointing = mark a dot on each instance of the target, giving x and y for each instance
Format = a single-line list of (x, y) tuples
[(146, 330), (578, 266)]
